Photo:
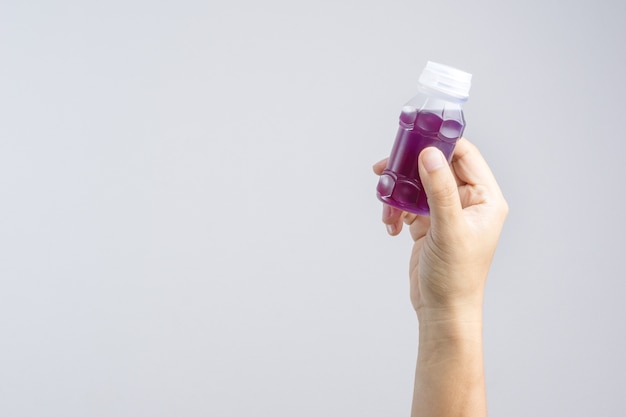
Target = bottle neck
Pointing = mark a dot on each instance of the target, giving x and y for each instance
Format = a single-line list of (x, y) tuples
[(440, 94)]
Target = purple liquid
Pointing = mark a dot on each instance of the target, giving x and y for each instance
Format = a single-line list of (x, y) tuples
[(399, 185)]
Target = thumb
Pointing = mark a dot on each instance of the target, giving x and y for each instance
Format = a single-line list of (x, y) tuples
[(440, 186)]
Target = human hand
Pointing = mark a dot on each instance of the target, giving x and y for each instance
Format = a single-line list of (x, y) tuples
[(454, 246)]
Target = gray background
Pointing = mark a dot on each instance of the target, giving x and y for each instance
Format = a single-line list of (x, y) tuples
[(188, 224)]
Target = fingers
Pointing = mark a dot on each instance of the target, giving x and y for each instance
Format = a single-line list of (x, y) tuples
[(392, 217), (380, 166), (419, 226), (440, 186), (469, 165), (471, 168)]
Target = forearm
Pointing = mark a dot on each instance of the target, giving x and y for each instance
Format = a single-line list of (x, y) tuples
[(449, 376)]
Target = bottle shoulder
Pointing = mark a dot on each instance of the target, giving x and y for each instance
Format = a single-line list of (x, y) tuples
[(429, 106), (433, 116)]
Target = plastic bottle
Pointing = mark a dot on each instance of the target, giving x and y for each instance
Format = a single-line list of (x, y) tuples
[(434, 117)]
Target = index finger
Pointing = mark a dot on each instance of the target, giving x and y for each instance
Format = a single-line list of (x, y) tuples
[(470, 167)]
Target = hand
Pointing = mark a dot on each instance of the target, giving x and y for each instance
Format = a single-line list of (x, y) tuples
[(453, 248)]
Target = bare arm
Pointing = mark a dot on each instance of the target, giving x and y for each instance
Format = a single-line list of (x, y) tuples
[(449, 376), (452, 252)]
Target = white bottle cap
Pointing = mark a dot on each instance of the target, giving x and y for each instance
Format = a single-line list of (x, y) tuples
[(447, 80)]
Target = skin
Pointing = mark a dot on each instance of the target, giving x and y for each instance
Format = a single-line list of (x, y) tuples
[(452, 252)]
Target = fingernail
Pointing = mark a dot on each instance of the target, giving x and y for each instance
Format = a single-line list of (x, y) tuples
[(433, 159), (391, 229)]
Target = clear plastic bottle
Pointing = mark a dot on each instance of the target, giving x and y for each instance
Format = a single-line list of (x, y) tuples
[(434, 117)]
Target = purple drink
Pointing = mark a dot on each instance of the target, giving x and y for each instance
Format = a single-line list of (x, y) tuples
[(399, 185), (434, 117)]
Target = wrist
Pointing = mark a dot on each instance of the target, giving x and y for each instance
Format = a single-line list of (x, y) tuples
[(461, 323)]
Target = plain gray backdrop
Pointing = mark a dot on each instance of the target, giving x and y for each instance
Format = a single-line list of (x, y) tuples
[(188, 222)]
